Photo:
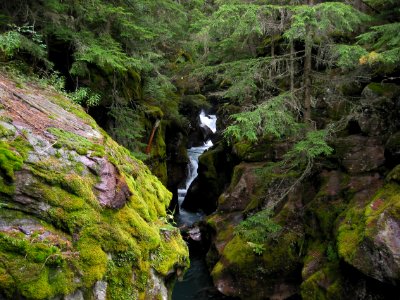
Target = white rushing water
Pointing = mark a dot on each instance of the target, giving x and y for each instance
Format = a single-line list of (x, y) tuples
[(185, 217), (209, 120)]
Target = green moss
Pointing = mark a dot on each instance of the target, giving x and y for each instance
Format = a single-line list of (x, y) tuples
[(350, 234), (7, 283), (223, 226), (361, 221), (135, 237), (6, 119), (119, 280), (9, 161), (217, 270), (52, 173), (394, 174), (170, 252), (49, 275), (12, 156), (157, 160), (92, 261), (283, 255), (5, 132), (38, 288), (386, 201), (191, 103), (384, 89), (238, 252), (154, 112), (324, 284), (242, 148), (326, 213), (72, 141)]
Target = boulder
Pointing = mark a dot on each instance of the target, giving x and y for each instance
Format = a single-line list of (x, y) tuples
[(359, 154), (80, 216), (369, 235), (392, 149), (214, 172)]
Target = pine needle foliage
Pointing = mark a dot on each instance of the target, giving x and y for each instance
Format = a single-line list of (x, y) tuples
[(258, 229), (272, 117)]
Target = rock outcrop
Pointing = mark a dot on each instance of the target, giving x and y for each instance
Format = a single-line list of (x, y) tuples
[(80, 217), (338, 231)]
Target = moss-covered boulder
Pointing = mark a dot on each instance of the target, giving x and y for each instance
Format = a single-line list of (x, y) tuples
[(258, 271), (369, 235), (256, 252), (79, 215), (245, 191), (268, 150)]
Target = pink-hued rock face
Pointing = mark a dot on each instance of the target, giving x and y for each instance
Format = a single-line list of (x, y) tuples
[(113, 190)]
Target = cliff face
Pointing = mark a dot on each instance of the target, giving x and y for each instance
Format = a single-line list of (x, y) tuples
[(79, 216), (338, 234)]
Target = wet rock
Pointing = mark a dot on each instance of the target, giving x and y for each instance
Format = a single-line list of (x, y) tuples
[(156, 288), (392, 149), (215, 168), (206, 131), (177, 162)]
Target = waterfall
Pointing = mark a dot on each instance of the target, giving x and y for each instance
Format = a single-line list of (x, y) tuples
[(197, 279), (185, 217)]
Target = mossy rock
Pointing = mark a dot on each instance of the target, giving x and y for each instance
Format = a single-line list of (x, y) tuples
[(368, 238), (377, 89), (193, 103), (57, 237), (326, 283), (153, 112), (244, 273)]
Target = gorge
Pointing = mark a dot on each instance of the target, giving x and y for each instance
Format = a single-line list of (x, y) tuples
[(116, 184)]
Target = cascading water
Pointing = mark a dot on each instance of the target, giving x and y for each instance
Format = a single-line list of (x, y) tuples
[(196, 279), (186, 218)]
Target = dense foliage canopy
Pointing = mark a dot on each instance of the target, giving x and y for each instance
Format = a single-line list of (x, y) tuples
[(275, 60)]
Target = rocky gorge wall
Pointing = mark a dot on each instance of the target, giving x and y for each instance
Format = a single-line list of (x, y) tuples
[(80, 217), (338, 232)]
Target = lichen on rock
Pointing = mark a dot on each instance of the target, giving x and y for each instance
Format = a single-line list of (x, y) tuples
[(79, 214)]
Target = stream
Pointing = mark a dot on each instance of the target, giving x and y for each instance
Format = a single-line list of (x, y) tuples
[(197, 283)]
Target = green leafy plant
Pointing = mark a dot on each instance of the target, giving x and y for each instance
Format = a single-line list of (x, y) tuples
[(85, 97), (25, 39), (258, 229)]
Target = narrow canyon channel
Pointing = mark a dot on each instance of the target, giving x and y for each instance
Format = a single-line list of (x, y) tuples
[(197, 282)]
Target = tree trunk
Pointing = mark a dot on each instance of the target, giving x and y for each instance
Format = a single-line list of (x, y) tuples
[(271, 73), (307, 72), (148, 148), (291, 69), (307, 80)]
